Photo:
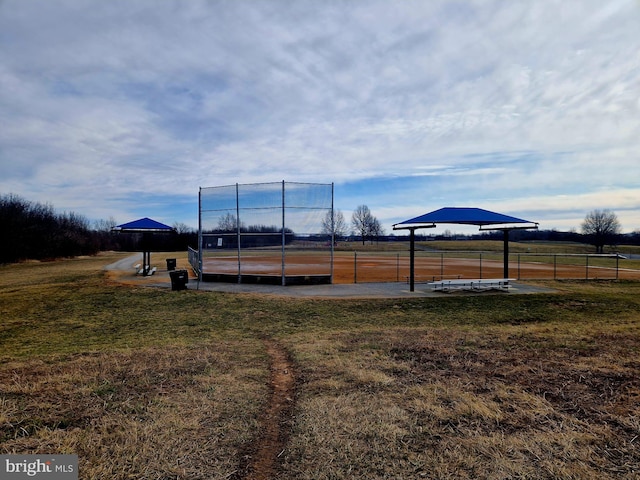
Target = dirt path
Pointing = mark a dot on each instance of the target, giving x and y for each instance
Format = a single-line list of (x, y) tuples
[(276, 420)]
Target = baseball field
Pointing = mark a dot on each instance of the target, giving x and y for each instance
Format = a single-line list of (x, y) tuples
[(353, 263)]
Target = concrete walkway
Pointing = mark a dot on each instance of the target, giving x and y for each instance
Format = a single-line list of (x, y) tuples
[(358, 290), (354, 290)]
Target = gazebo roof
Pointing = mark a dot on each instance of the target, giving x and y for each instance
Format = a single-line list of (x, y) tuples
[(143, 225), (463, 216)]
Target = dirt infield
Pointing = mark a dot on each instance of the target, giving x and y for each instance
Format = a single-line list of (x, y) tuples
[(378, 267)]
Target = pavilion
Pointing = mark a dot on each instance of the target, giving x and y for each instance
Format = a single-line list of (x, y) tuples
[(485, 219), (147, 227)]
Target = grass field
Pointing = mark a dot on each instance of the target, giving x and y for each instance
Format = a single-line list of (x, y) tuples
[(148, 383)]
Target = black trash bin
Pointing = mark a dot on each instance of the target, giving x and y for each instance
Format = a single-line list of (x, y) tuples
[(171, 264), (179, 279)]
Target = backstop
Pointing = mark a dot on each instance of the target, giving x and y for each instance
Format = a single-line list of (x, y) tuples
[(277, 233)]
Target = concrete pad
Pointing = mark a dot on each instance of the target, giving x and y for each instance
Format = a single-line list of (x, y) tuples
[(355, 290)]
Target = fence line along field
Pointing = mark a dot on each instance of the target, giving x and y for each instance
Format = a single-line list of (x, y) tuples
[(370, 264), (145, 382), (377, 267)]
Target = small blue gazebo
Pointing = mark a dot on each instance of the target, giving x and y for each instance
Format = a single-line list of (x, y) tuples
[(147, 227)]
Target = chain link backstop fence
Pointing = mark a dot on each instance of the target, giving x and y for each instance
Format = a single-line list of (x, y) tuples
[(266, 233)]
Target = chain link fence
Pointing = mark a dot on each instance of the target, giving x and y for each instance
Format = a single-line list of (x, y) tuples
[(361, 267), (266, 233)]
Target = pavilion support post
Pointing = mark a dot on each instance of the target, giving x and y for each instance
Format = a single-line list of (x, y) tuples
[(412, 249), (146, 253), (506, 253)]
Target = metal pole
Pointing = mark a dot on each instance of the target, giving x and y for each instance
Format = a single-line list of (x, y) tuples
[(442, 266), (587, 267), (506, 253), (617, 263), (412, 257), (355, 267), (238, 232), (283, 238), (481, 265), (199, 237), (333, 235)]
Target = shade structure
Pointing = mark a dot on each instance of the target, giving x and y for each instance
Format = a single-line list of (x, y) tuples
[(464, 216), (147, 227), (143, 225)]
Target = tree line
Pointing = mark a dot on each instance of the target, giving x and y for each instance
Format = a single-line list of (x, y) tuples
[(363, 224), (251, 236), (600, 228), (34, 231)]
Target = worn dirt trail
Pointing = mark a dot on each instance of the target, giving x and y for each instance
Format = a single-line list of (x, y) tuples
[(275, 424)]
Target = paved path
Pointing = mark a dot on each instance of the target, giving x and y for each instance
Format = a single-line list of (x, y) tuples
[(126, 263), (352, 290)]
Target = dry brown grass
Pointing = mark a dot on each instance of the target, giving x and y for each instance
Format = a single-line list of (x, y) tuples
[(500, 403), (176, 412), (148, 383)]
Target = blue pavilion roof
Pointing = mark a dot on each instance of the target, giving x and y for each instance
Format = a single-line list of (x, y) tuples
[(464, 216), (143, 225)]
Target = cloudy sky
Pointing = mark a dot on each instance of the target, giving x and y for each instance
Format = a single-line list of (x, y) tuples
[(125, 109)]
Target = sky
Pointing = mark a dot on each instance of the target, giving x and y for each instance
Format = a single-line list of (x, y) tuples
[(124, 109)]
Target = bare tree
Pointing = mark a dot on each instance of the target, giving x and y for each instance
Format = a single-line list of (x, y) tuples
[(182, 228), (360, 221), (228, 223), (365, 224), (336, 226), (104, 225), (376, 228), (601, 227)]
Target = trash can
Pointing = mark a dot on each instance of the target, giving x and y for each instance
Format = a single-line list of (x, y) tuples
[(179, 279), (171, 264)]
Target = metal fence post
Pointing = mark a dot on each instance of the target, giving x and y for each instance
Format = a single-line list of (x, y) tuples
[(238, 233), (355, 267), (284, 239), (587, 267)]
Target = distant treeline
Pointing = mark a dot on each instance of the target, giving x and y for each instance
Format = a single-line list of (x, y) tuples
[(31, 230), (34, 231), (514, 236), (252, 236)]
